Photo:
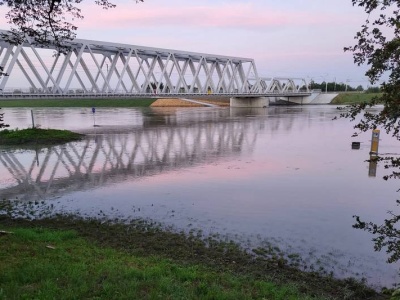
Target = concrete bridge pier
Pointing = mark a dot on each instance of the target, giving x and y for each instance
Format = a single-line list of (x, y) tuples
[(252, 102)]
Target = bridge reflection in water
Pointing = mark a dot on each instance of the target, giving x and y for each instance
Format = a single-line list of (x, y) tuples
[(103, 159)]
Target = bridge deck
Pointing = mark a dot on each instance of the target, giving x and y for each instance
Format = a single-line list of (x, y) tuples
[(148, 95)]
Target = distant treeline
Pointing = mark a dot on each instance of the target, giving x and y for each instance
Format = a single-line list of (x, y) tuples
[(342, 87)]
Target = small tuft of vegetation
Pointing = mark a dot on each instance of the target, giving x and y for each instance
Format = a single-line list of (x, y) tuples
[(37, 136)]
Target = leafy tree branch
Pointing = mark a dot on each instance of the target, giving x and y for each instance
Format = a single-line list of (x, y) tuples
[(378, 46), (46, 22), (2, 124)]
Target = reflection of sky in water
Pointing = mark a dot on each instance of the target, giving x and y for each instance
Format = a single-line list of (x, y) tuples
[(284, 175)]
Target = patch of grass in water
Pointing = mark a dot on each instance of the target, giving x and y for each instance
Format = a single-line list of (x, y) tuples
[(37, 136)]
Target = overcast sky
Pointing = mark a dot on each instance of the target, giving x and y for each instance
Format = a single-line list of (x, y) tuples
[(297, 38)]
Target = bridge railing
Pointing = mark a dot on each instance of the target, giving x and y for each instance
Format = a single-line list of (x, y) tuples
[(148, 95)]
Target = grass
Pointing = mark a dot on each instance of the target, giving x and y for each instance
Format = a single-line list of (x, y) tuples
[(99, 259), (353, 98), (37, 136), (72, 102), (342, 98), (39, 263)]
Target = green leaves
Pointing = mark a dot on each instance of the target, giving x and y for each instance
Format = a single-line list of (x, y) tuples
[(46, 22), (378, 46), (2, 124), (380, 52)]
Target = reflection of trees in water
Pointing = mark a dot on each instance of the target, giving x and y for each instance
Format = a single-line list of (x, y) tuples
[(109, 158), (387, 234)]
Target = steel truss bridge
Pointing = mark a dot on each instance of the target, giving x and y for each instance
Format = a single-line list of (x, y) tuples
[(103, 69)]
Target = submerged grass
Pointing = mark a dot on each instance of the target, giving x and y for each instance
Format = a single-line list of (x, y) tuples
[(98, 259), (72, 102), (33, 136), (39, 263)]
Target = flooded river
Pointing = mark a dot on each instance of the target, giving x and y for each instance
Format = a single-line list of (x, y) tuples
[(283, 177)]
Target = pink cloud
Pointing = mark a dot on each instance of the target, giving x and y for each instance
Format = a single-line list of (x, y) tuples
[(238, 16)]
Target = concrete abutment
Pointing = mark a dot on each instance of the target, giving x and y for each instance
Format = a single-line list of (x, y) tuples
[(252, 102)]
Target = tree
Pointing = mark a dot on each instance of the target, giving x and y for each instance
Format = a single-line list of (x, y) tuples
[(382, 54), (359, 88), (333, 86), (378, 46), (373, 89), (2, 125), (45, 22)]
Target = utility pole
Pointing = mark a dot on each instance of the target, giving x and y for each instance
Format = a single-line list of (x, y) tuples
[(326, 82)]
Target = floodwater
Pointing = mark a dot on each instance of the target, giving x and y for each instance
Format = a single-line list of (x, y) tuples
[(280, 176)]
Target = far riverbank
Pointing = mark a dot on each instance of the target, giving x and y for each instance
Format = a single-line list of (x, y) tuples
[(341, 99), (353, 98)]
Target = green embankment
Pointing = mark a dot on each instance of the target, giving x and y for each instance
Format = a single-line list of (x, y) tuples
[(47, 264), (342, 98), (72, 102), (88, 259), (353, 98), (33, 136)]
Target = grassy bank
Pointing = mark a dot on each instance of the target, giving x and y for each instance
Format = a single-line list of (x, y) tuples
[(342, 98), (91, 259), (33, 136), (49, 264), (110, 102), (353, 98)]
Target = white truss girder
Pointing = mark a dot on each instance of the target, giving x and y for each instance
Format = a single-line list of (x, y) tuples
[(93, 67)]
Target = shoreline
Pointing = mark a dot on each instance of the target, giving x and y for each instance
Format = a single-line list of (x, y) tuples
[(341, 98), (145, 239)]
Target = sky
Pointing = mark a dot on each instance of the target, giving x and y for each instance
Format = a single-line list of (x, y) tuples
[(291, 38)]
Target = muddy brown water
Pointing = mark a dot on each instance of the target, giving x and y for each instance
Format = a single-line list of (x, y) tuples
[(284, 177)]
